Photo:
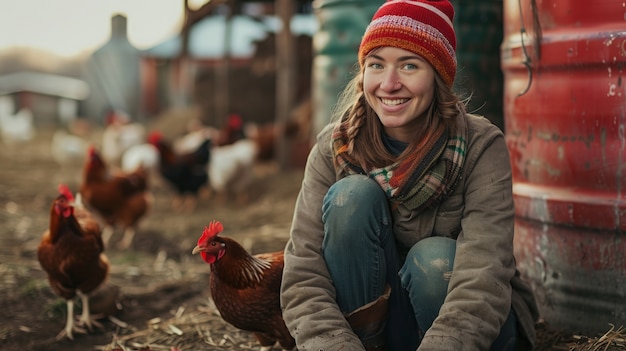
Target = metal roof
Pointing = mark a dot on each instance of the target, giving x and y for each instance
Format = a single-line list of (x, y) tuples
[(44, 83), (206, 39)]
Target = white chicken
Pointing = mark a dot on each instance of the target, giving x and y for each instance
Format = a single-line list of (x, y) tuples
[(231, 169), (119, 135), (197, 133), (68, 148), (17, 128), (144, 155)]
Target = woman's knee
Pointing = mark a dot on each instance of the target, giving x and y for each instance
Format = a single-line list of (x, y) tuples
[(350, 196), (355, 208), (429, 264)]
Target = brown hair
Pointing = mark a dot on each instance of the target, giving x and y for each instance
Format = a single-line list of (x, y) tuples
[(364, 128)]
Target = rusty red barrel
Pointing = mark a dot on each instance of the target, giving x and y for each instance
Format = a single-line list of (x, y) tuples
[(565, 124)]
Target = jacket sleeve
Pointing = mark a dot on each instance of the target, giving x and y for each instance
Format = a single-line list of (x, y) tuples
[(479, 292), (307, 293)]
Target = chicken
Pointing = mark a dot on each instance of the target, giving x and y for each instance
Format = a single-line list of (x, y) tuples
[(119, 135), (142, 155), (296, 127), (245, 288), (71, 253), (231, 169), (266, 137), (185, 172), (67, 148), (197, 133), (232, 131), (121, 198), (17, 128)]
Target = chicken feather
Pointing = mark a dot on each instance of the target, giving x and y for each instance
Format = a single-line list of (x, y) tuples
[(246, 288)]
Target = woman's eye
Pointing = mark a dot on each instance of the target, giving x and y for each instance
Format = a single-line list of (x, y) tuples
[(410, 66), (375, 65)]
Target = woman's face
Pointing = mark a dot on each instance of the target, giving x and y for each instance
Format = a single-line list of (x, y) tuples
[(399, 85)]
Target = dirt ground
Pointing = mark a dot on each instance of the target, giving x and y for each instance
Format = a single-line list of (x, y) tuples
[(159, 280), (164, 302)]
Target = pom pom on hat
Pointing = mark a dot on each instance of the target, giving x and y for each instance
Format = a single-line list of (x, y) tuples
[(423, 27)]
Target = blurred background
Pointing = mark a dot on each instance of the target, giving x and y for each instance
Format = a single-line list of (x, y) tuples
[(69, 60)]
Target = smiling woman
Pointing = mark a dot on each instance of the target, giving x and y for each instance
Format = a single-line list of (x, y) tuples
[(72, 27)]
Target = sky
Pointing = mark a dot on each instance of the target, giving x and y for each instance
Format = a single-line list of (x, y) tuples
[(73, 27)]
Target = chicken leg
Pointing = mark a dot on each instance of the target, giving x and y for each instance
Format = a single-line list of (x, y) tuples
[(70, 327), (127, 238), (86, 319), (107, 233)]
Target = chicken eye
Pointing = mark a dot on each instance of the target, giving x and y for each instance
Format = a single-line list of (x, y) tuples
[(213, 243)]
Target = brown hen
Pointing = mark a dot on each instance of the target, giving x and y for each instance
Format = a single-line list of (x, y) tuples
[(121, 198), (246, 288), (71, 253)]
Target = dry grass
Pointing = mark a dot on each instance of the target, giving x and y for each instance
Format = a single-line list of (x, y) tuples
[(553, 339), (200, 328), (614, 339)]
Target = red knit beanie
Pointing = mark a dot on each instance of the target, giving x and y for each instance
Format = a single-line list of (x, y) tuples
[(423, 27)]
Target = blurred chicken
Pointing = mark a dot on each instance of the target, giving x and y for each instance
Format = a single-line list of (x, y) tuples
[(197, 133), (119, 135), (67, 148), (185, 172), (17, 128), (71, 253), (121, 198), (231, 170), (246, 288), (266, 136), (232, 131), (142, 155)]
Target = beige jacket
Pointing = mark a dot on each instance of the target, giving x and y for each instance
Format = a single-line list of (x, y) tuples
[(479, 215)]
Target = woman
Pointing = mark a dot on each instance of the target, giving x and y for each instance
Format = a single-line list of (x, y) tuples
[(402, 236)]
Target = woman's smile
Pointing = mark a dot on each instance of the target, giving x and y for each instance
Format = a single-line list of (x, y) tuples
[(399, 86)]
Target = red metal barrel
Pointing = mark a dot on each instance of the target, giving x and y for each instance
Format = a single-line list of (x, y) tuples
[(565, 124)]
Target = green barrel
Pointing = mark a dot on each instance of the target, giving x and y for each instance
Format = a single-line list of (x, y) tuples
[(479, 33), (335, 46)]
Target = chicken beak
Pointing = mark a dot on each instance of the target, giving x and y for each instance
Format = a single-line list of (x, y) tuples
[(196, 250)]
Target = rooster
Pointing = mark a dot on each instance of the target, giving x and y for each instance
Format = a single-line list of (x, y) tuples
[(246, 288), (71, 253), (186, 172), (121, 198)]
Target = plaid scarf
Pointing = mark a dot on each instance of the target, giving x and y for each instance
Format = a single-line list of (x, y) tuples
[(418, 181)]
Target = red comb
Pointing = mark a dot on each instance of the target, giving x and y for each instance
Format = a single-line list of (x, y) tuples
[(210, 231), (234, 121), (65, 191), (154, 137)]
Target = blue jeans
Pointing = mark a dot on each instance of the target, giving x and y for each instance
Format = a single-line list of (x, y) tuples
[(361, 254)]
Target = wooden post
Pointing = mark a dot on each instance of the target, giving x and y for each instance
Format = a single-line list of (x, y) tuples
[(222, 73), (285, 87)]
